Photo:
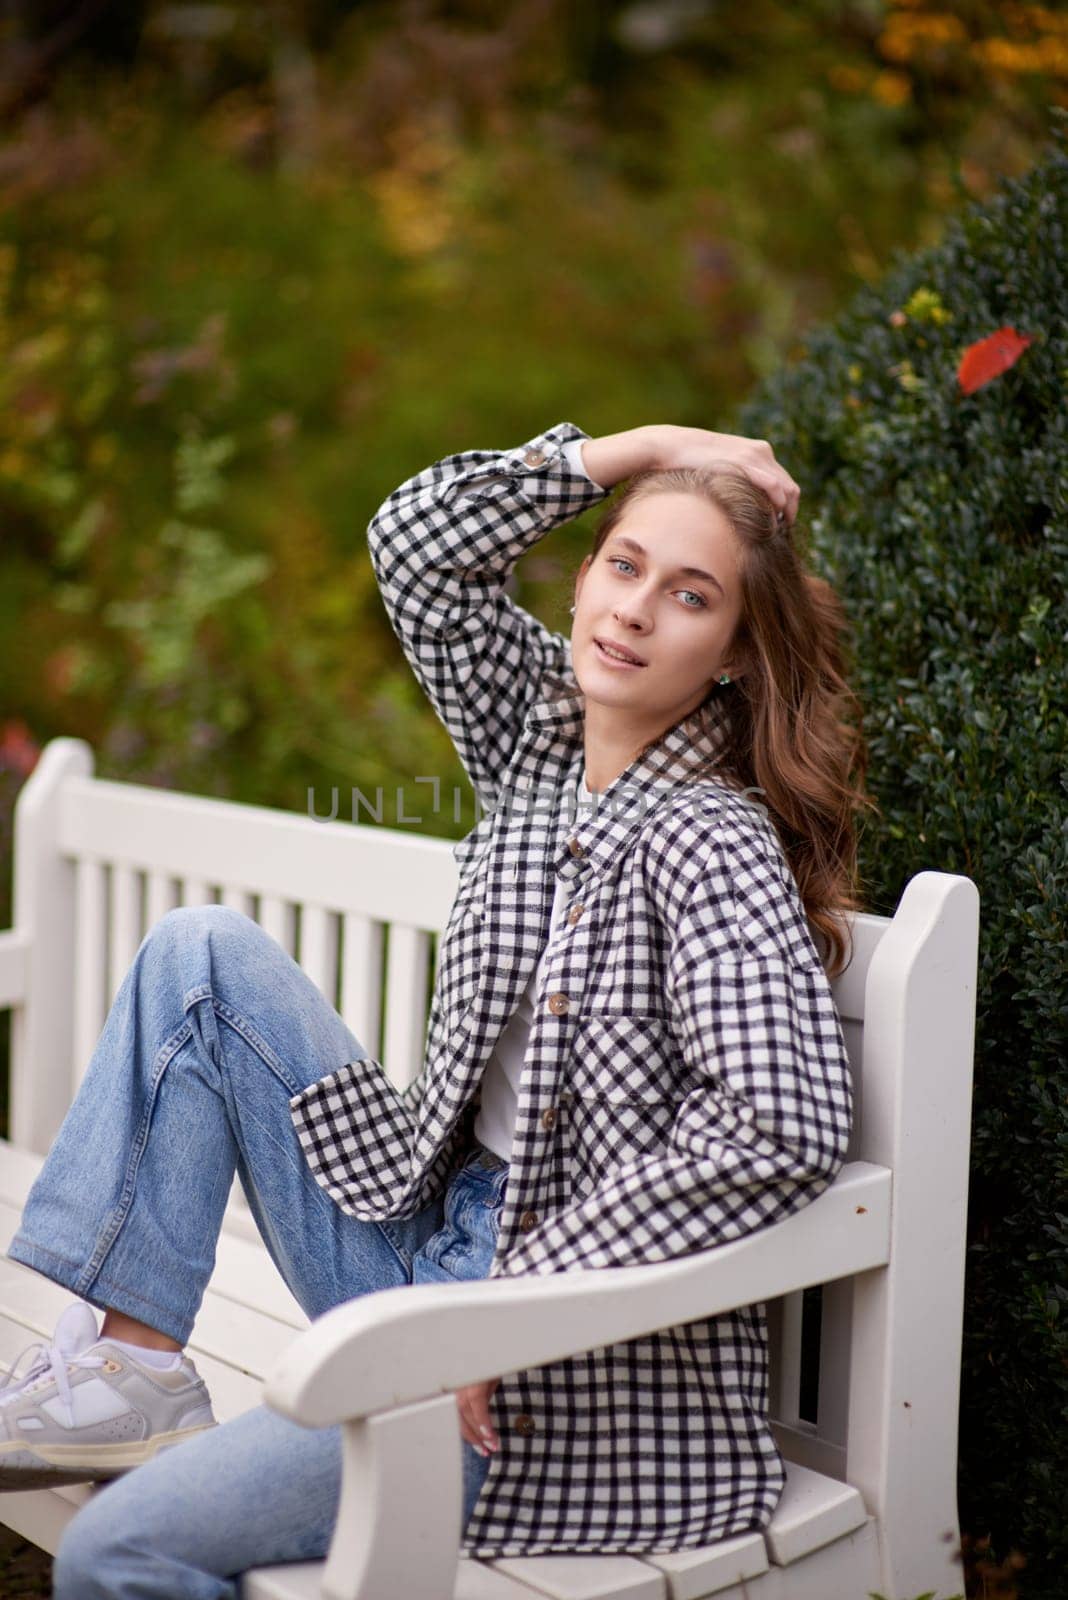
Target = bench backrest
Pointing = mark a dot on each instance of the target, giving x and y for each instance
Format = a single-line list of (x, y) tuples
[(360, 907)]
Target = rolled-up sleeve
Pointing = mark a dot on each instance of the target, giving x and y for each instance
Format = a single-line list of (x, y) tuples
[(442, 546)]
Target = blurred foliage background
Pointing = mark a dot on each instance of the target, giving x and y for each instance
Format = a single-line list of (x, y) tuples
[(260, 262)]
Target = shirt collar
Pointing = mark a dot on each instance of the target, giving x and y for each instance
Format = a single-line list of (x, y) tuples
[(596, 835)]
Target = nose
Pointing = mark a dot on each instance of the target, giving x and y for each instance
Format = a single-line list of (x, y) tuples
[(633, 612)]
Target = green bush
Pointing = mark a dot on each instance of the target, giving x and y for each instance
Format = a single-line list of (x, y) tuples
[(943, 518)]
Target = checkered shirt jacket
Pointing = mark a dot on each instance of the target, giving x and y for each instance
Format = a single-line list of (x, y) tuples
[(685, 1039)]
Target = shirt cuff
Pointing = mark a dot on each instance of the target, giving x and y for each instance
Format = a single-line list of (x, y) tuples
[(572, 451)]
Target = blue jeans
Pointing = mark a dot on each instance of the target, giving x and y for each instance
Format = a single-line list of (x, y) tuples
[(213, 1029)]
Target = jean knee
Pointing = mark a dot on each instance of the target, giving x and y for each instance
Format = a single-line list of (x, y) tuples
[(205, 935), (191, 922)]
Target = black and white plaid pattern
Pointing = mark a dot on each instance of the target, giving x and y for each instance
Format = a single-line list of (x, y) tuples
[(685, 1038)]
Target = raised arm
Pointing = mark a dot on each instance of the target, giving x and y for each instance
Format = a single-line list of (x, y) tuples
[(442, 546), (445, 542)]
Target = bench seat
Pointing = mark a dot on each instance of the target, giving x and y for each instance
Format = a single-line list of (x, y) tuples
[(245, 1323)]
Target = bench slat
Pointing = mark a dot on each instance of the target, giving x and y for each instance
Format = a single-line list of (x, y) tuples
[(14, 950), (362, 947), (279, 918), (692, 1574), (302, 1580), (161, 896), (90, 948), (39, 1516), (785, 1315), (813, 1511), (318, 949), (478, 1580), (406, 1003), (587, 1577), (239, 899), (125, 921)]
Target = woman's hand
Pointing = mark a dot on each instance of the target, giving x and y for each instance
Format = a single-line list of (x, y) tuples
[(676, 446), (476, 1424), (657, 446)]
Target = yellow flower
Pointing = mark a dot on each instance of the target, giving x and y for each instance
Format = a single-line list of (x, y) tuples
[(906, 375), (926, 306), (906, 35), (892, 88), (1017, 55)]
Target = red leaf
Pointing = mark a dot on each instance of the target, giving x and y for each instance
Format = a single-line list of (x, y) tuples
[(18, 748), (990, 357)]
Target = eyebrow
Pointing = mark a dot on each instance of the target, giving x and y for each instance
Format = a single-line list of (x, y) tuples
[(680, 572)]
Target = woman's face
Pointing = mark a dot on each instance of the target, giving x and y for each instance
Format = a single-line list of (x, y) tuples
[(636, 594)]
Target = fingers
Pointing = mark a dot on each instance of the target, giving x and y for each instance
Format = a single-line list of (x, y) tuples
[(783, 492), (699, 447), (476, 1424)]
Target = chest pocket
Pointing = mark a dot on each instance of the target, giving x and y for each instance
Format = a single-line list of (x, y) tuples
[(469, 851), (625, 1059)]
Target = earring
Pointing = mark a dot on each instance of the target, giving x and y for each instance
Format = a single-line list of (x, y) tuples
[(572, 611), (723, 678)]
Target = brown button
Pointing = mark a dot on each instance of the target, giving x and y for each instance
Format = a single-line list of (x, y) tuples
[(558, 1004), (533, 458), (574, 914), (528, 1220), (524, 1424), (575, 848), (548, 1117)]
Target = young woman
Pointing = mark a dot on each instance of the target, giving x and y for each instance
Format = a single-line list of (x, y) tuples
[(632, 1053)]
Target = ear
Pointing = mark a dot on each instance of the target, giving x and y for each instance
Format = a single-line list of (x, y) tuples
[(734, 669), (739, 659), (580, 576)]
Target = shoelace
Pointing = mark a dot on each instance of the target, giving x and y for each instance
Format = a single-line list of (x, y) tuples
[(47, 1367)]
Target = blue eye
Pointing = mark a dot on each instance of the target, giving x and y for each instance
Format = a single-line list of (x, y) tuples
[(701, 602)]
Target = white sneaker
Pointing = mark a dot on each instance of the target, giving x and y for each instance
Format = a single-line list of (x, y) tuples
[(86, 1408)]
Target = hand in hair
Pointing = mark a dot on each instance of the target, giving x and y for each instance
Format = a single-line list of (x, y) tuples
[(700, 447), (657, 446)]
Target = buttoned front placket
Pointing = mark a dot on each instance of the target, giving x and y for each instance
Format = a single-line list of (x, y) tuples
[(531, 849)]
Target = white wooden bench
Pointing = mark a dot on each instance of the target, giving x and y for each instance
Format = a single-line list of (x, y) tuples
[(870, 1502)]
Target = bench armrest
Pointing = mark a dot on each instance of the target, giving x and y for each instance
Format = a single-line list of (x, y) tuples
[(384, 1367), (403, 1345)]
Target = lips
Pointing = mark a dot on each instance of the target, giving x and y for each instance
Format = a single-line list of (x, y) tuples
[(618, 653)]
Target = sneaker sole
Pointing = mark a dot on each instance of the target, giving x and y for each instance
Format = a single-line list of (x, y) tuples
[(52, 1465)]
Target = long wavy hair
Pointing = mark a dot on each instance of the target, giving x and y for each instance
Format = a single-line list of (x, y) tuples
[(788, 723)]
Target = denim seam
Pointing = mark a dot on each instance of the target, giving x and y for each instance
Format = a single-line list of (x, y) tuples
[(401, 1254), (110, 1232), (103, 1292), (273, 1062), (99, 1286), (28, 1244), (166, 1054)]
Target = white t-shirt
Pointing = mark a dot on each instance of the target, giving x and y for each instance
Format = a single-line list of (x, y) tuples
[(495, 1120)]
